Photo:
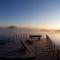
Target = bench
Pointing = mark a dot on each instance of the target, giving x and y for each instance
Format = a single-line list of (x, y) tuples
[(37, 37), (33, 38)]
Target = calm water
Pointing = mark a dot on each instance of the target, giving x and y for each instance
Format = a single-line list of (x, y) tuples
[(5, 33), (14, 35)]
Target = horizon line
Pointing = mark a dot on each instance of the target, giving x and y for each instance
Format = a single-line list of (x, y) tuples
[(30, 27)]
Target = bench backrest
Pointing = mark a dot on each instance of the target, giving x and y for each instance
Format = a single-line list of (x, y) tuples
[(34, 36)]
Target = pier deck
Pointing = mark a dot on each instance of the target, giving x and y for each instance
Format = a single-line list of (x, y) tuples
[(38, 50)]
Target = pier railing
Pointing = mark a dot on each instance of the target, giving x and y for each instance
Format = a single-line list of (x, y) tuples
[(55, 52)]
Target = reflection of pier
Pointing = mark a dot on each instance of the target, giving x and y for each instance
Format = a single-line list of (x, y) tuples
[(40, 49)]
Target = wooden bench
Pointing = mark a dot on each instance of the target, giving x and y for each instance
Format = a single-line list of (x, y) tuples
[(33, 38), (37, 37)]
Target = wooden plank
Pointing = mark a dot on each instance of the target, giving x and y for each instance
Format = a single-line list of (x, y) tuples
[(29, 53), (35, 36)]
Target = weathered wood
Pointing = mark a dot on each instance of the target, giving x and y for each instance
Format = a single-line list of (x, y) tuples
[(35, 36), (54, 49), (57, 54), (28, 50)]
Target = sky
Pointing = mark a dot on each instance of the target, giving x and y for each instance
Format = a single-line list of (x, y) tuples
[(30, 13)]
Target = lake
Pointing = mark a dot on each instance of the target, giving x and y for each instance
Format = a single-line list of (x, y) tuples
[(5, 33)]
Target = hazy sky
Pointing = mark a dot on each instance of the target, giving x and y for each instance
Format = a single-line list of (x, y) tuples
[(30, 13)]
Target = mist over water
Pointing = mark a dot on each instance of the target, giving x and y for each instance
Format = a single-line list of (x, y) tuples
[(5, 33), (55, 37)]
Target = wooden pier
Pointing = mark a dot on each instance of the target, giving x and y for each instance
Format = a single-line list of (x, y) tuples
[(43, 49), (55, 52)]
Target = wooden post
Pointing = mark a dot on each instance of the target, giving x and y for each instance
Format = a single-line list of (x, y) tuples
[(26, 36), (20, 35), (54, 50), (58, 54), (39, 38)]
